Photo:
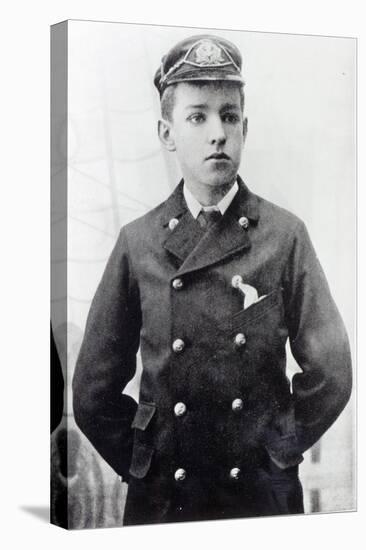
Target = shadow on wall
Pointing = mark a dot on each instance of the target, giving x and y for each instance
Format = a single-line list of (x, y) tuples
[(80, 497), (84, 493)]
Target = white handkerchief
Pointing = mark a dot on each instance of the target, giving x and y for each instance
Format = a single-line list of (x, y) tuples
[(250, 295)]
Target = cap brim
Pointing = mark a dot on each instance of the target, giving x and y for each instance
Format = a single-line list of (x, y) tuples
[(217, 73), (203, 78)]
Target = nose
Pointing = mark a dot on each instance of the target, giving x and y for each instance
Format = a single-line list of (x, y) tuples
[(216, 131)]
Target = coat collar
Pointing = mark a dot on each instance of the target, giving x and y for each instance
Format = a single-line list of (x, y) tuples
[(197, 249), (246, 202)]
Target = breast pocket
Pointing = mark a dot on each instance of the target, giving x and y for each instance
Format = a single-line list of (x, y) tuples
[(257, 310), (143, 449)]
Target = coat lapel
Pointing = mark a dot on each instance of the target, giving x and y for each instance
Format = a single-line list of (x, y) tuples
[(183, 239), (196, 248)]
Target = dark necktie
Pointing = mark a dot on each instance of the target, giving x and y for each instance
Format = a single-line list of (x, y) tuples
[(207, 218)]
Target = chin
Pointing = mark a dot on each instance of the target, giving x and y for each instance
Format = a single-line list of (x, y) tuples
[(219, 183), (221, 179)]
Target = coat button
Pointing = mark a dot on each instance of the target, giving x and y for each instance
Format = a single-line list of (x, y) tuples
[(235, 473), (180, 409), (178, 345), (173, 223), (180, 474), (244, 222), (236, 281), (237, 404), (240, 340), (177, 284)]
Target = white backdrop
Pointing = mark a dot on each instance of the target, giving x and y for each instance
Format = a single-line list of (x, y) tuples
[(300, 150)]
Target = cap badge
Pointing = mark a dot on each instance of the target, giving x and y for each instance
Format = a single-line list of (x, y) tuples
[(208, 53)]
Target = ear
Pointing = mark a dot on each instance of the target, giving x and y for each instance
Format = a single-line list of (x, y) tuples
[(166, 134), (245, 128)]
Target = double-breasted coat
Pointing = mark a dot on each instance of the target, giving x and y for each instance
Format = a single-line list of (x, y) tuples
[(218, 432)]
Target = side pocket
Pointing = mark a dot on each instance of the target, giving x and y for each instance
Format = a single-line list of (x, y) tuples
[(143, 416), (143, 449), (281, 443), (141, 460)]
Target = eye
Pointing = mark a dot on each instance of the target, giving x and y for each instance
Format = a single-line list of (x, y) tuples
[(196, 118), (231, 118)]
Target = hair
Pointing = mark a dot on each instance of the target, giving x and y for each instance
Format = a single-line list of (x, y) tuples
[(167, 100)]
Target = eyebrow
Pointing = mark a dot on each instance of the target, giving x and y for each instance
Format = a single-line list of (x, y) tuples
[(198, 106), (224, 107), (227, 106)]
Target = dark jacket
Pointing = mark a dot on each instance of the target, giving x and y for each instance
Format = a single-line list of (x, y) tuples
[(218, 432)]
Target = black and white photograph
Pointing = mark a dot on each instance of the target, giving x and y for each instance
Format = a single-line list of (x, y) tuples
[(203, 274), (251, 433)]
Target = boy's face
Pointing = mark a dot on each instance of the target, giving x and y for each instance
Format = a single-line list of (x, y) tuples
[(207, 131)]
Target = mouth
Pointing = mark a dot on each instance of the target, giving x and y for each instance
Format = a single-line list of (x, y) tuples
[(218, 156)]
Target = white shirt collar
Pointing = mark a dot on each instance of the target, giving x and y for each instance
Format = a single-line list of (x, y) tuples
[(195, 207)]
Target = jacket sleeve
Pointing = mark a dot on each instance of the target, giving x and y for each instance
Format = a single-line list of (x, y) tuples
[(107, 362), (318, 342)]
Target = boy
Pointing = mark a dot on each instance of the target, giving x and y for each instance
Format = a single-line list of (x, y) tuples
[(211, 284)]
